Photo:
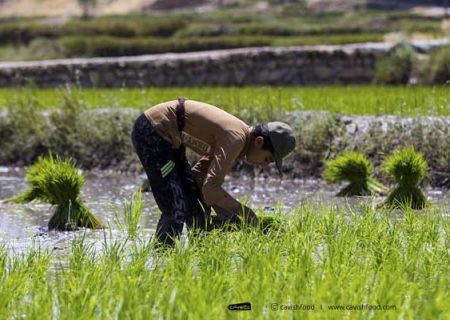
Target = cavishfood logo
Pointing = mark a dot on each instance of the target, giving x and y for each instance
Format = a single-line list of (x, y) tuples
[(244, 306)]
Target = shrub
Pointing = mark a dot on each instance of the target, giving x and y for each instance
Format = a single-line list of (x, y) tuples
[(396, 67), (311, 40), (110, 46), (273, 29), (96, 138), (134, 26), (205, 30), (315, 135), (25, 32), (23, 131), (438, 69)]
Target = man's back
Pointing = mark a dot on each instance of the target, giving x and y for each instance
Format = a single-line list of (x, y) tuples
[(205, 126)]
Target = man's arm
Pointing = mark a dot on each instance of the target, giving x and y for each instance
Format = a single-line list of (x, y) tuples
[(199, 171), (221, 162), (243, 211)]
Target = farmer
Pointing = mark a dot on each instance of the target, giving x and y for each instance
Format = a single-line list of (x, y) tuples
[(185, 194)]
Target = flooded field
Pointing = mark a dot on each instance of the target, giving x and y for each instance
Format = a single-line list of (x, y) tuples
[(106, 192), (323, 258)]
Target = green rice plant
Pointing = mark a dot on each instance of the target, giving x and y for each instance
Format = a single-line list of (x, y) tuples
[(327, 259), (268, 224), (131, 214), (350, 100), (58, 182), (25, 275), (271, 223), (407, 168), (355, 168)]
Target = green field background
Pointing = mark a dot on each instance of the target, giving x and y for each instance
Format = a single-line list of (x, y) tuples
[(262, 102)]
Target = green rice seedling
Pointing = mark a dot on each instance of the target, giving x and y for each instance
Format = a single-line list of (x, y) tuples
[(328, 259), (271, 223), (266, 223), (355, 168), (132, 211), (407, 168), (57, 182), (357, 100)]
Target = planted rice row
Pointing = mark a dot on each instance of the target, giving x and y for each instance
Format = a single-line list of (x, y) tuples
[(323, 257), (258, 102)]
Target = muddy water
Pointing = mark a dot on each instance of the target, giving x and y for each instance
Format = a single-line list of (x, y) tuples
[(21, 225)]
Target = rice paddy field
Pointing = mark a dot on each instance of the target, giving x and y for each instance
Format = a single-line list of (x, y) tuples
[(332, 258), (240, 25), (261, 102), (325, 263)]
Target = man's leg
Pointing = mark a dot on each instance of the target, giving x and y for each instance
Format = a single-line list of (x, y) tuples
[(170, 225), (199, 213), (158, 160)]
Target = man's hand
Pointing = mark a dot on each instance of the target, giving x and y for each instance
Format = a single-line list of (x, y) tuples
[(242, 212)]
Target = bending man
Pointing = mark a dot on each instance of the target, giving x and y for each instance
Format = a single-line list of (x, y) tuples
[(185, 194)]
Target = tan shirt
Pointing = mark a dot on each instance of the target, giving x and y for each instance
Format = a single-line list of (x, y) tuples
[(209, 131)]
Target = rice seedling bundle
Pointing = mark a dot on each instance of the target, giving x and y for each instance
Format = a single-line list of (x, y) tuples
[(58, 182), (355, 168), (407, 168)]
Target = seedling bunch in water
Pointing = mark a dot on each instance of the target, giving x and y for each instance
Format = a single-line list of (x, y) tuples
[(58, 182), (407, 168), (355, 168)]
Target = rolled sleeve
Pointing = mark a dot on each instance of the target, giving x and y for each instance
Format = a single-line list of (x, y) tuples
[(200, 169)]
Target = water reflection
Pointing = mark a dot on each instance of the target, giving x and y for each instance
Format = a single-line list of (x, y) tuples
[(105, 193)]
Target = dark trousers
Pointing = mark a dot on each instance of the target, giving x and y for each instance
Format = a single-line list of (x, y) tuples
[(174, 188)]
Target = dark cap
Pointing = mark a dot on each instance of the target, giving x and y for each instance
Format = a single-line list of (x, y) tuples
[(283, 141)]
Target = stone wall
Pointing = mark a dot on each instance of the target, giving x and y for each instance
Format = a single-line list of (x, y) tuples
[(404, 4), (313, 65), (348, 64)]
